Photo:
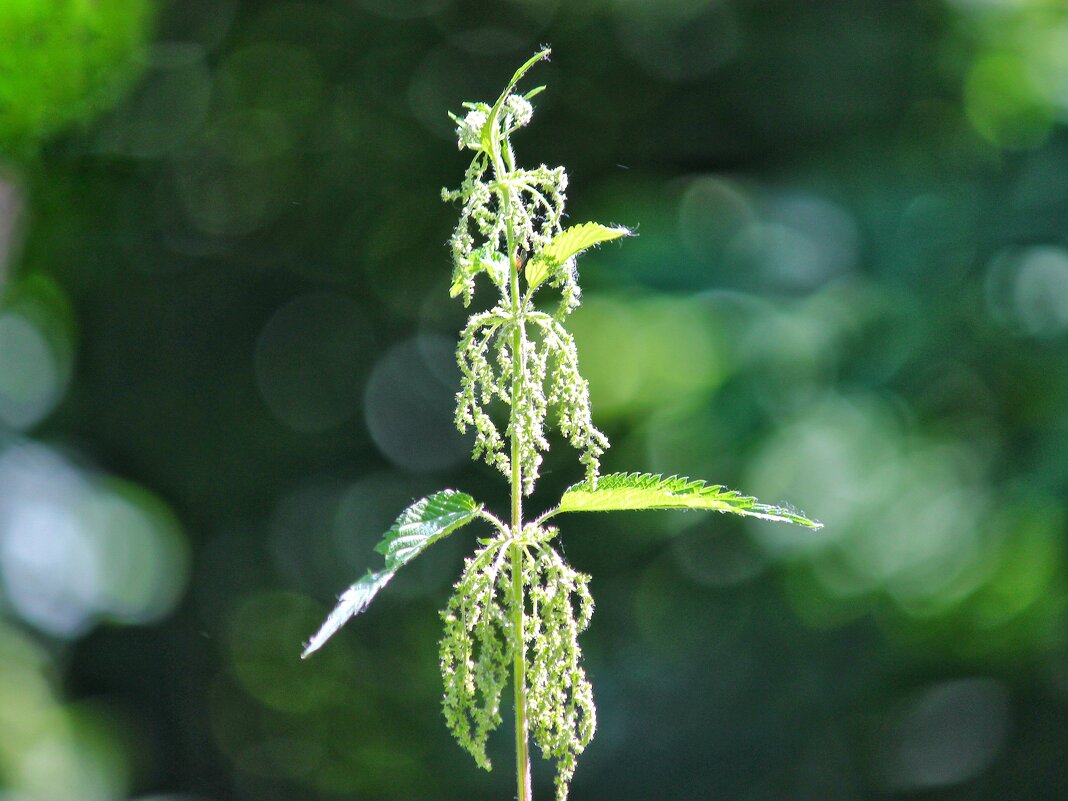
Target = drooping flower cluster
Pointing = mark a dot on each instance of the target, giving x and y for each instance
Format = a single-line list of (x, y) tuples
[(479, 645), (476, 650), (562, 715), (522, 206)]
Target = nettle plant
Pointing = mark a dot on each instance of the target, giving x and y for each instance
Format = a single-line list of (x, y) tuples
[(518, 608)]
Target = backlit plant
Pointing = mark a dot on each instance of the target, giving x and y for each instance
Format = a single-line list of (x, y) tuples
[(518, 608)]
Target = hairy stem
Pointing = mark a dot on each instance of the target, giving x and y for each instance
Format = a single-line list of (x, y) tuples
[(519, 666), (519, 677)]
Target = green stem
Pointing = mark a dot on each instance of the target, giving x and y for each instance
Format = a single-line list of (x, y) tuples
[(519, 663), (519, 677)]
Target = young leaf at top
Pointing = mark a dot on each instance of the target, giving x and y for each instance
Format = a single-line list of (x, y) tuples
[(634, 491), (419, 526), (570, 242), (490, 134)]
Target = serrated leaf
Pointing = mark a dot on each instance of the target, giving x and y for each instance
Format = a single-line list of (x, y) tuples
[(419, 526), (425, 522), (635, 491), (570, 242)]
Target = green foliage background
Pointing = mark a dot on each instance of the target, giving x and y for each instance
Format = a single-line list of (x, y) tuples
[(225, 367)]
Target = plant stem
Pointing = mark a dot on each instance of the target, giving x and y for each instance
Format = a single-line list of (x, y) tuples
[(519, 677), (519, 663)]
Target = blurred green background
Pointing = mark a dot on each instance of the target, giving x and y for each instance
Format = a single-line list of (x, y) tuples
[(225, 366)]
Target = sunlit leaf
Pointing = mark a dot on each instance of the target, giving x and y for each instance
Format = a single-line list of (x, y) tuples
[(353, 601), (570, 242), (634, 491), (419, 526)]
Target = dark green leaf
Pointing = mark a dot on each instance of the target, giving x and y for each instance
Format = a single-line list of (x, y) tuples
[(425, 522), (419, 526)]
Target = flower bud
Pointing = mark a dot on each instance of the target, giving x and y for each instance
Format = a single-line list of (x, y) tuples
[(469, 131), (519, 109)]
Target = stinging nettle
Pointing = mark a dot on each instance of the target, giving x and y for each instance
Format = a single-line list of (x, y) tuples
[(518, 608)]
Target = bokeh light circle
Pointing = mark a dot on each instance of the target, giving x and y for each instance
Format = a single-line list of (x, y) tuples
[(409, 409), (308, 361)]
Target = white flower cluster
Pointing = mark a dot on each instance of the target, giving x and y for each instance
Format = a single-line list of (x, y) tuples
[(517, 112), (469, 129)]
